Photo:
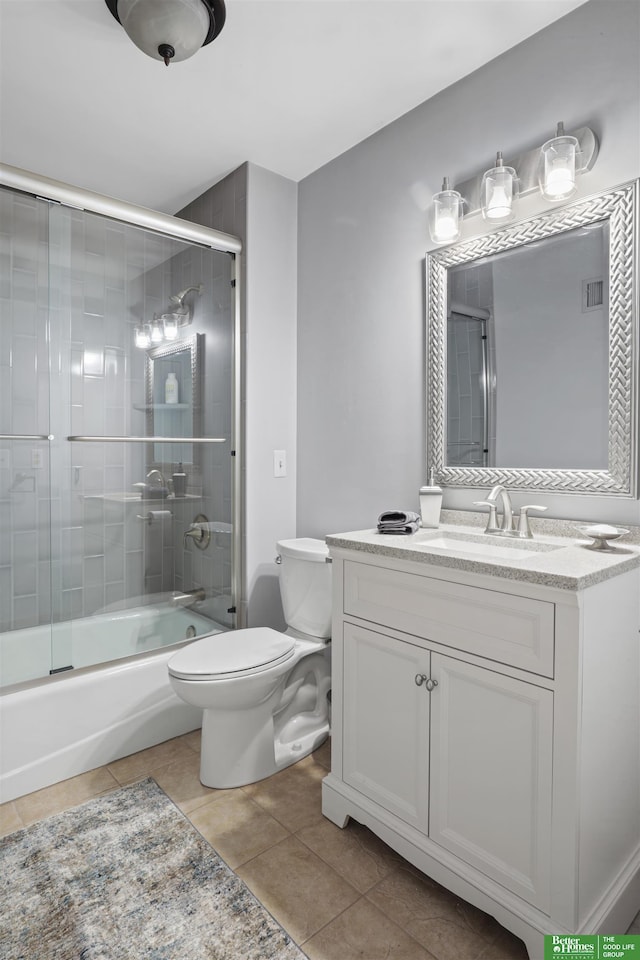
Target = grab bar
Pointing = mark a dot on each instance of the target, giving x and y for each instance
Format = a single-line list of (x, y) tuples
[(26, 436), (76, 439)]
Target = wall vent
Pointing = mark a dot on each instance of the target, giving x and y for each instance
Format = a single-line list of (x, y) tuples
[(592, 294)]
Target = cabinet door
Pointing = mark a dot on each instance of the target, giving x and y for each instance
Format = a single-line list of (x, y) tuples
[(491, 753), (386, 723)]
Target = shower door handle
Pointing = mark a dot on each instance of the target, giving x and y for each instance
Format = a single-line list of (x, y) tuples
[(77, 439), (26, 436)]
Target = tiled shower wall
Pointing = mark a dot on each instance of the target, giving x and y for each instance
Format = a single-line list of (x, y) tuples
[(224, 207), (209, 475), (72, 288)]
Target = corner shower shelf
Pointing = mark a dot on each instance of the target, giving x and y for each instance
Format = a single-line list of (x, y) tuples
[(127, 497)]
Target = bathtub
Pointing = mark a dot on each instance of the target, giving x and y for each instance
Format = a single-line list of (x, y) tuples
[(74, 721)]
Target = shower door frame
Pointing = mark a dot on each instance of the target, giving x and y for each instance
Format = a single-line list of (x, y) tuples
[(55, 191)]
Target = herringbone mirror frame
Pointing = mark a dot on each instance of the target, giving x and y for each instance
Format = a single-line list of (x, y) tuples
[(620, 208)]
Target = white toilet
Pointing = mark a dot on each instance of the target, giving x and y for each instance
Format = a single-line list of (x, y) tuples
[(264, 693)]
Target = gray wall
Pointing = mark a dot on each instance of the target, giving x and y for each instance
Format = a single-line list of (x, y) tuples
[(260, 207), (362, 242)]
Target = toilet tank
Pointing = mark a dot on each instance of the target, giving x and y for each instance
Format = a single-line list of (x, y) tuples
[(305, 586)]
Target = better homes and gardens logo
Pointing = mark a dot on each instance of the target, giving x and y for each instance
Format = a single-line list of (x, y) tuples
[(571, 946), (598, 948)]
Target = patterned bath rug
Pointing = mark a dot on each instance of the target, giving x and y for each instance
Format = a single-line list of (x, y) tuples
[(127, 877)]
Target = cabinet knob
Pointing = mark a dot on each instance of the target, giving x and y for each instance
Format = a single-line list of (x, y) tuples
[(430, 684), (420, 678)]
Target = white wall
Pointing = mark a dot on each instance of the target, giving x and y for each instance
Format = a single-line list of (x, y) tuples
[(362, 242)]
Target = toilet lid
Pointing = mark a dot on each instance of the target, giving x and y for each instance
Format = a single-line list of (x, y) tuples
[(220, 655)]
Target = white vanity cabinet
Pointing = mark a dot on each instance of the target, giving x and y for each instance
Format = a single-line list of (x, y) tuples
[(488, 730)]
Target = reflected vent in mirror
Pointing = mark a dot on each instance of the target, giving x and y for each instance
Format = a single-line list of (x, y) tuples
[(592, 294)]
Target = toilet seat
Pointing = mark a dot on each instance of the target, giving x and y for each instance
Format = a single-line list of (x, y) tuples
[(222, 656)]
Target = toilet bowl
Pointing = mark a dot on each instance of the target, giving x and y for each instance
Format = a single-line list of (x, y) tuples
[(264, 694)]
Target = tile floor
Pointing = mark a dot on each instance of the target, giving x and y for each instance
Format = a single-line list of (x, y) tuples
[(340, 894)]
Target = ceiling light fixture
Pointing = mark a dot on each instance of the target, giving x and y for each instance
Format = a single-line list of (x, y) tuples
[(169, 29)]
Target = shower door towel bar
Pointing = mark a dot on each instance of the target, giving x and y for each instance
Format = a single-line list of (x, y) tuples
[(26, 436), (148, 439)]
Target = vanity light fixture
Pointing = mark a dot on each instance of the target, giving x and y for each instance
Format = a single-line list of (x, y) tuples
[(170, 325), (497, 192), (167, 326), (142, 336), (157, 335), (549, 170), (557, 168), (446, 214), (169, 29)]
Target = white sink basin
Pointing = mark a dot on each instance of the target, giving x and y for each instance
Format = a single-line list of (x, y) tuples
[(489, 549)]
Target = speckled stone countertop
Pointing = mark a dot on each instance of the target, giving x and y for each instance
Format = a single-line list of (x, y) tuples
[(558, 556)]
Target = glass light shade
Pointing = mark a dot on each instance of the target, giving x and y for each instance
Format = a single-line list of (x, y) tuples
[(170, 324), (181, 24), (157, 334), (557, 171), (446, 215), (142, 336), (497, 192)]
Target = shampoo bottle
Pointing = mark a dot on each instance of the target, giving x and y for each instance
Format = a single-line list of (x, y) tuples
[(430, 503), (171, 389)]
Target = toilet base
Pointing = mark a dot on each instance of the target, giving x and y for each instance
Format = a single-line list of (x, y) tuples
[(302, 746), (249, 756)]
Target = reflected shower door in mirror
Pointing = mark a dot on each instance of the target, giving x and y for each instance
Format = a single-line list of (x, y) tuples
[(532, 339), (527, 348)]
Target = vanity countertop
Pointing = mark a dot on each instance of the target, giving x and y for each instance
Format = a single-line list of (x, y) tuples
[(562, 559)]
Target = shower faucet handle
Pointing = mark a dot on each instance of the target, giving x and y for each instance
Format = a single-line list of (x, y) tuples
[(199, 532)]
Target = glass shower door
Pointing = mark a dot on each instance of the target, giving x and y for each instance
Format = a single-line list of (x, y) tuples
[(25, 542), (116, 493), (142, 337), (468, 394)]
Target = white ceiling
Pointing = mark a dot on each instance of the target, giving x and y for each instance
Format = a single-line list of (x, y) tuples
[(288, 85)]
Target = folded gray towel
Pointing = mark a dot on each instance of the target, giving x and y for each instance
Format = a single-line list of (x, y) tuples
[(398, 522)]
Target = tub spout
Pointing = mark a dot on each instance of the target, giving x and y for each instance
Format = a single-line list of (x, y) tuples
[(188, 598)]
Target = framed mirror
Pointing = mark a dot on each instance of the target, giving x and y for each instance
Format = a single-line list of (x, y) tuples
[(173, 387), (532, 347)]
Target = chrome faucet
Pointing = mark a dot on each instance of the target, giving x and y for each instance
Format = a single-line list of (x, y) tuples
[(158, 478), (507, 528)]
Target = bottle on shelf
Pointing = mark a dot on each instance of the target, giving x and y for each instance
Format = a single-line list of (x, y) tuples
[(171, 388)]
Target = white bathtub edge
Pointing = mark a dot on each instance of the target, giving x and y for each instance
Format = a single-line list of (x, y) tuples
[(96, 723)]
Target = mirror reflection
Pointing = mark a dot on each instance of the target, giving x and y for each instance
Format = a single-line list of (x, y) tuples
[(173, 397), (528, 355)]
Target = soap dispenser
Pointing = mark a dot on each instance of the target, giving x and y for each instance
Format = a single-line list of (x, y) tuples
[(179, 482), (171, 388), (430, 503)]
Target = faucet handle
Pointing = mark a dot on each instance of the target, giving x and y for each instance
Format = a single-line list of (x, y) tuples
[(492, 522), (524, 529)]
